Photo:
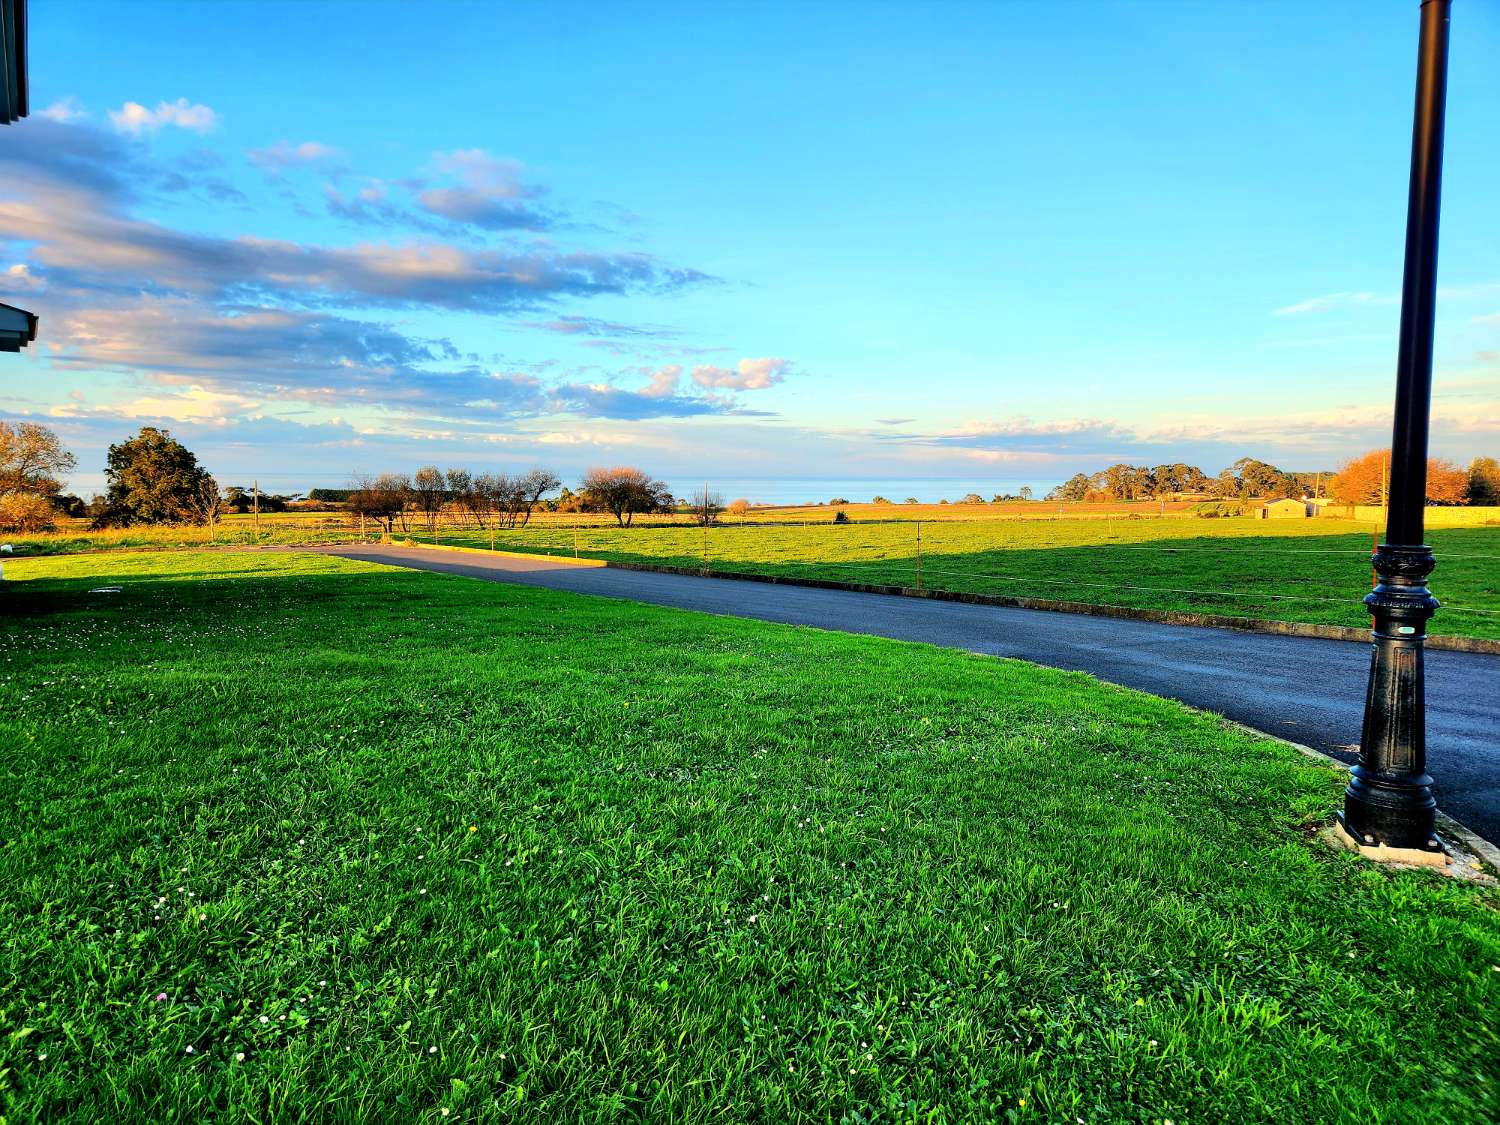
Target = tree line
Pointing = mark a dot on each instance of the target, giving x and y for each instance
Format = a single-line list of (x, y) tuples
[(501, 500), (1358, 480), (152, 478)]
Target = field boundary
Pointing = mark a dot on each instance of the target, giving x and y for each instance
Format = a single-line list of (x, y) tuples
[(1160, 616)]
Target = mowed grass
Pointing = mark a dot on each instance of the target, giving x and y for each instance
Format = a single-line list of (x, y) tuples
[(1295, 570), (290, 838), (76, 536)]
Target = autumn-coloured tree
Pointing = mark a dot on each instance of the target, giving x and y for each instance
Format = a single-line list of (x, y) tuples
[(740, 508), (26, 512), (1364, 479), (1446, 482), (31, 459)]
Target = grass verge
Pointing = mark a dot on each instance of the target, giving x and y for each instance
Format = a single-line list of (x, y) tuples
[(295, 838)]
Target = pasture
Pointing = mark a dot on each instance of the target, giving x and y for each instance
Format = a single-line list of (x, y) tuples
[(295, 837)]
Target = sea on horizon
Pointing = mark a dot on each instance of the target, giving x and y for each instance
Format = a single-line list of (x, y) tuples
[(857, 490)]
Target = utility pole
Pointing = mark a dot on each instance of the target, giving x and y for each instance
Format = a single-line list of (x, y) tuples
[(1389, 804), (1385, 513), (255, 492), (919, 554)]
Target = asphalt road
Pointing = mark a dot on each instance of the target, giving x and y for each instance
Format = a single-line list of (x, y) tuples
[(1302, 688)]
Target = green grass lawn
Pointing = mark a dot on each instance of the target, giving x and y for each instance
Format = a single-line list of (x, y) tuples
[(234, 531), (293, 838), (1296, 570)]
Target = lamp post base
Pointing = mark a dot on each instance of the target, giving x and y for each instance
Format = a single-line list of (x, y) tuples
[(1389, 802), (1434, 855)]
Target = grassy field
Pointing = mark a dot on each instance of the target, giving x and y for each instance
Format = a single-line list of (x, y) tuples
[(78, 536), (298, 839), (1294, 570), (294, 527)]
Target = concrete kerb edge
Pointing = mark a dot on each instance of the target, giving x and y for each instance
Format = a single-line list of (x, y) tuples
[(501, 554), (1453, 830)]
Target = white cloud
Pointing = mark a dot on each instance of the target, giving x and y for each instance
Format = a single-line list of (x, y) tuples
[(19, 278), (195, 404), (747, 375), (664, 381), (478, 169), (134, 118), (64, 110), (283, 154), (1334, 301)]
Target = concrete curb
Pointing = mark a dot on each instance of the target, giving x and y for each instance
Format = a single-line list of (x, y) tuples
[(1162, 617), (1454, 830), (501, 554)]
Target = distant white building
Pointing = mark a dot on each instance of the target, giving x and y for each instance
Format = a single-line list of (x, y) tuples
[(1288, 509)]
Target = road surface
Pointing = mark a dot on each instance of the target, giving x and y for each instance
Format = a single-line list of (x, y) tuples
[(1305, 689)]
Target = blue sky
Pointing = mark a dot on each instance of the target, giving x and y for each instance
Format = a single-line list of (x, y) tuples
[(969, 241)]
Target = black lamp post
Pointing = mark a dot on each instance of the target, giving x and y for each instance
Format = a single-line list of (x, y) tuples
[(1389, 802)]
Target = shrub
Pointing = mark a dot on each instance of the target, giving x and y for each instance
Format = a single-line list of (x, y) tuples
[(1216, 509), (27, 512), (841, 516)]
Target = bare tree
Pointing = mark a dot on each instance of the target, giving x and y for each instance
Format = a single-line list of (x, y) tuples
[(492, 493), (384, 499), (513, 499), (203, 503), (428, 491), (706, 507), (531, 488), (623, 491), (461, 494)]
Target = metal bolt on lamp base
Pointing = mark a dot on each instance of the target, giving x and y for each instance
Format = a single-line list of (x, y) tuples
[(1389, 802)]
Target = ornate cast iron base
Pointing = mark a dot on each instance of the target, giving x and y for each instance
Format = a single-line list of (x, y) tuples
[(1389, 802)]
